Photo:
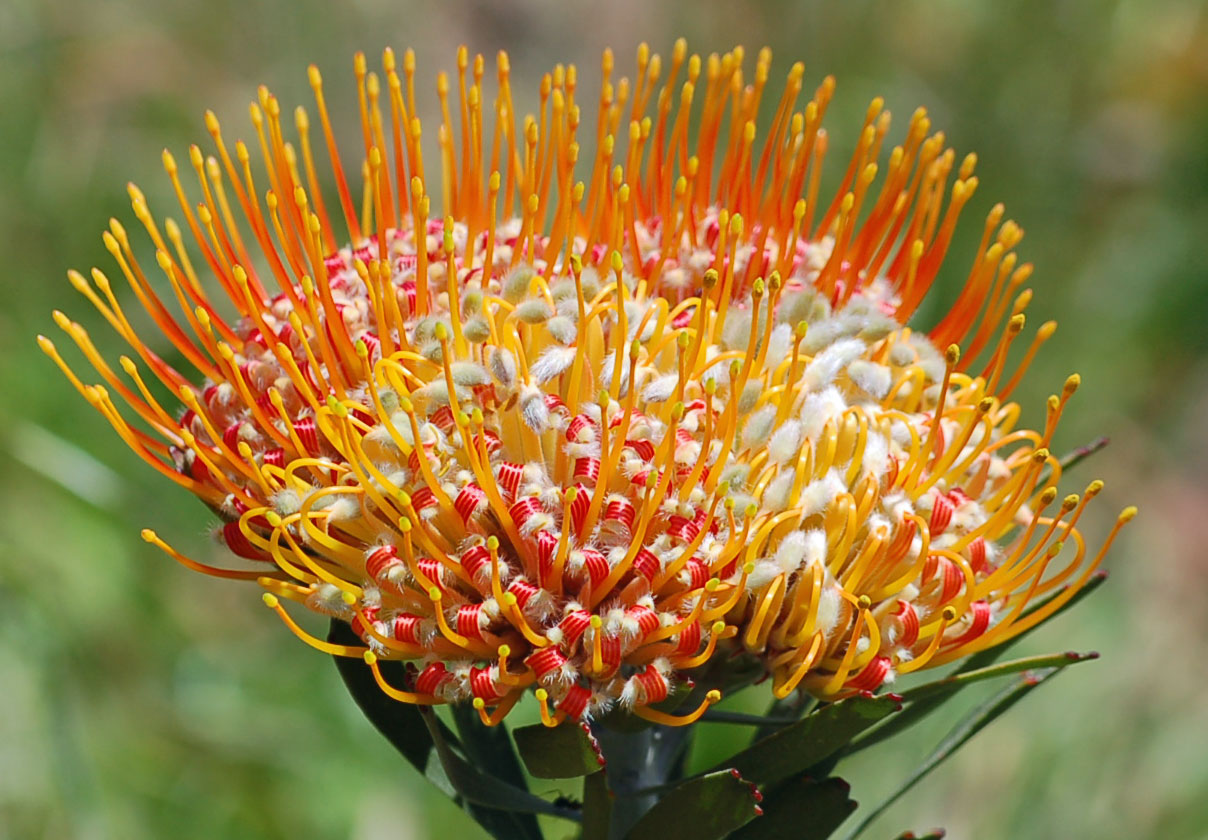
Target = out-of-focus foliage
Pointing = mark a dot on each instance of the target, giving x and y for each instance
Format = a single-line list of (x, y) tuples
[(143, 701)]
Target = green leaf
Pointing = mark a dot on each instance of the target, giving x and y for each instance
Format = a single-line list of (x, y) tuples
[(399, 723), (480, 789), (561, 752), (743, 719), (707, 807), (814, 738), (804, 809), (957, 681), (923, 706), (597, 807), (428, 744), (973, 723), (489, 749)]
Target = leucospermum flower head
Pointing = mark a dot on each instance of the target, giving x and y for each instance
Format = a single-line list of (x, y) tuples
[(585, 436)]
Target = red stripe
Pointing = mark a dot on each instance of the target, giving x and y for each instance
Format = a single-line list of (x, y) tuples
[(545, 661), (580, 423), (977, 554), (953, 580), (698, 573), (523, 590), (579, 507), (482, 685), (610, 651), (621, 512), (909, 620), (442, 418), (646, 564), (902, 539), (432, 570), (238, 542), (981, 620), (469, 501), (596, 565), (689, 640), (358, 626), (647, 619), (406, 628), (307, 435), (423, 498), (588, 468), (525, 509), (380, 560), (653, 684), (547, 544), (475, 559), (574, 625), (643, 448), (508, 477), (231, 436), (871, 677), (682, 529), (468, 616), (941, 516), (431, 678), (575, 702)]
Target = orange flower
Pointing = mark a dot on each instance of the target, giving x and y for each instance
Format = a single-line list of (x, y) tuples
[(584, 436)]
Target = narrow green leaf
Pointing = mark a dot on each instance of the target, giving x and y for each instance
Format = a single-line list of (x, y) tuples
[(957, 681), (707, 807), (562, 752), (793, 707), (399, 723), (597, 807), (480, 789), (490, 750), (812, 739), (804, 809), (743, 719), (923, 706), (973, 723)]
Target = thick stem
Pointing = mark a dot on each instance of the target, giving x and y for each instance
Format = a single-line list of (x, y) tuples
[(637, 761)]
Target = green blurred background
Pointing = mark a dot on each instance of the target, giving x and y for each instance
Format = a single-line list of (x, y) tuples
[(138, 700)]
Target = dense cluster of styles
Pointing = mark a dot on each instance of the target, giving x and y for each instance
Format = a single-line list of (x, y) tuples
[(582, 437)]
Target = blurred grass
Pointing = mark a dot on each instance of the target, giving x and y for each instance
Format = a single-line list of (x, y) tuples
[(142, 701)]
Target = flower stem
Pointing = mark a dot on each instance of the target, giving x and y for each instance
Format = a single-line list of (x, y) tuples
[(638, 761)]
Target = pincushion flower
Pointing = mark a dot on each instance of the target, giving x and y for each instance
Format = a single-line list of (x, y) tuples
[(583, 437)]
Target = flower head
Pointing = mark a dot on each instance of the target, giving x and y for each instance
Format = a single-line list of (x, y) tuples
[(586, 436)]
